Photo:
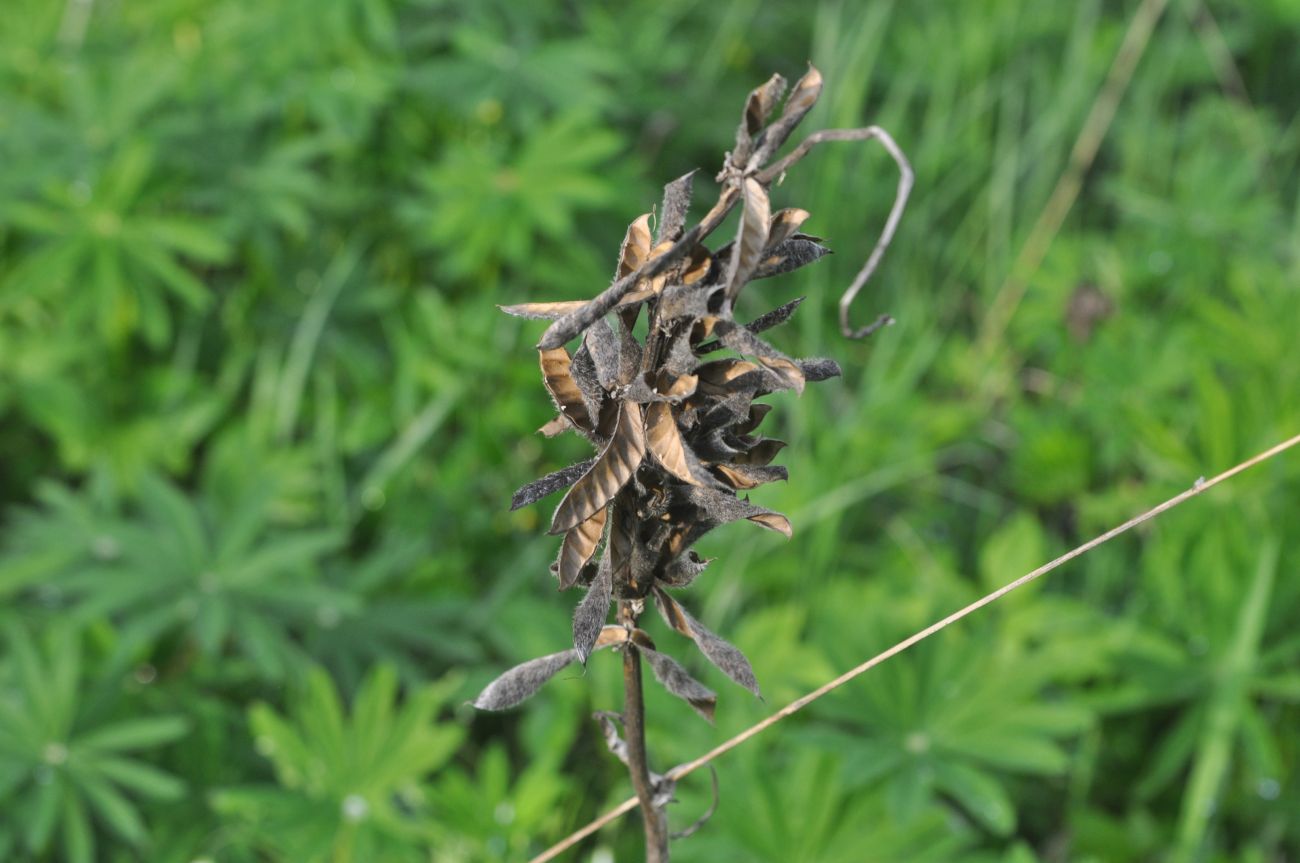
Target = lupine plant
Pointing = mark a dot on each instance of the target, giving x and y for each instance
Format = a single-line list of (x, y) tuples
[(674, 417)]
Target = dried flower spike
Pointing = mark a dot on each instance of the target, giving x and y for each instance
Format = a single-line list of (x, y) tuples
[(673, 426)]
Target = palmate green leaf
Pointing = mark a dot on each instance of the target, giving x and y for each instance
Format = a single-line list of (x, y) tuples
[(126, 174), (346, 776), (139, 777), (135, 734), (910, 791), (166, 505), (194, 239), (78, 836), (180, 281), (486, 206), (266, 643), (411, 746), (1166, 763), (277, 739), (810, 815), (1015, 548), (110, 807), (284, 555), (212, 623), (43, 812), (864, 762), (1009, 750), (979, 794), (285, 826), (321, 718), (168, 571), (49, 683), (372, 708), (63, 775), (942, 723), (1284, 686), (105, 258), (281, 188), (12, 771), (472, 798)]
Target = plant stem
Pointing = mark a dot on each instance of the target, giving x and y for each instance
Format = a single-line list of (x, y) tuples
[(656, 826)]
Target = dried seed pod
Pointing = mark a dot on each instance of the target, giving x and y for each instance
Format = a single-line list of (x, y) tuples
[(674, 428), (563, 389), (677, 201), (549, 484), (677, 680), (608, 474), (578, 547), (519, 683), (720, 652)]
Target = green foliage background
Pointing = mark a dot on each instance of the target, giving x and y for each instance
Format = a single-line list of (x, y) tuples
[(260, 419)]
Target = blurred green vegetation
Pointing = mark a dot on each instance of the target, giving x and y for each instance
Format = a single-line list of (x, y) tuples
[(260, 421)]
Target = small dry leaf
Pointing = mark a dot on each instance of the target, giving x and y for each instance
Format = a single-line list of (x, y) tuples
[(751, 237), (613, 635), (594, 398), (761, 102), (784, 225), (721, 373), (788, 374), (613, 741), (819, 369), (679, 682), (665, 442), (571, 323), (604, 347), (745, 477), (719, 507), (543, 311), (611, 471), (555, 426), (677, 201), (804, 95), (726, 656), (696, 266), (663, 787), (767, 321), (564, 391), (802, 98), (773, 521), (549, 484), (684, 569), (618, 550), (589, 617), (578, 547), (636, 246), (555, 311), (760, 453), (715, 445), (742, 341), (522, 681), (756, 414), (656, 284), (796, 252), (774, 318), (675, 387), (629, 352), (703, 328)]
